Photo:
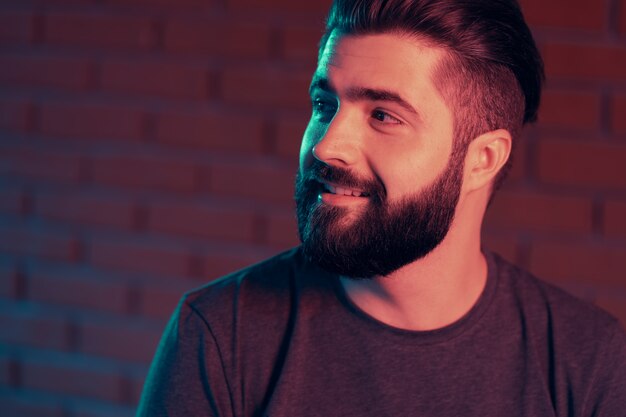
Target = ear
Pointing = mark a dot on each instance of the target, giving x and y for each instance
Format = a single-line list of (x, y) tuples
[(486, 155)]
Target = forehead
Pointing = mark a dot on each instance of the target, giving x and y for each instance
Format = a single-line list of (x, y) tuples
[(387, 61)]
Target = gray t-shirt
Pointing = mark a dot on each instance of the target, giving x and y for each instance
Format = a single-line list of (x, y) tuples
[(281, 339)]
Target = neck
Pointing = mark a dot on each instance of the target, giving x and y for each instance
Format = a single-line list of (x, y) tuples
[(429, 293)]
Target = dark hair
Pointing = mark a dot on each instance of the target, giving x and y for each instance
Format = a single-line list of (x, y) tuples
[(493, 73)]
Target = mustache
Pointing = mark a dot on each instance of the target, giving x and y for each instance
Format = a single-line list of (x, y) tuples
[(343, 177)]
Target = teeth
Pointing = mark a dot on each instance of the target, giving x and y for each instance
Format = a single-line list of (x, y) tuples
[(342, 191)]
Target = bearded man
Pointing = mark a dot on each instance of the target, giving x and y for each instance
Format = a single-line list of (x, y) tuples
[(391, 307)]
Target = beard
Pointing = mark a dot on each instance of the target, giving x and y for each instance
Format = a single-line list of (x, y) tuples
[(381, 236)]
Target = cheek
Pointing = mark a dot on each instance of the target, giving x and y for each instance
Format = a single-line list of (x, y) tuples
[(405, 171)]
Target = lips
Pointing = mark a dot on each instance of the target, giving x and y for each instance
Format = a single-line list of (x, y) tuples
[(339, 190)]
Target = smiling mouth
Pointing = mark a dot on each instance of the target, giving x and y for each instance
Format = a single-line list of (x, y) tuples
[(337, 190)]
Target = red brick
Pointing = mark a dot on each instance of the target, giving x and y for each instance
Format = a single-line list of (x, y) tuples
[(266, 87), (27, 407), (35, 329), (579, 263), (88, 409), (47, 165), (618, 114), (72, 379), (144, 172), (221, 262), (583, 61), (519, 157), (574, 14), (177, 4), (200, 220), (211, 130), (5, 371), (85, 209), (136, 387), (218, 38), (91, 121), (8, 279), (12, 201), (582, 164), (503, 245), (289, 137), (573, 110), (539, 212), (85, 292), (99, 30), (155, 79), (103, 339), (300, 43), (16, 27), (15, 114), (614, 304), (622, 18), (159, 302), (262, 181), (39, 244), (64, 73), (320, 8), (147, 258), (282, 229), (64, 2), (615, 218)]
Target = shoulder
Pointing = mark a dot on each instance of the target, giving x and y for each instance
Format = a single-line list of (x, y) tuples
[(218, 329), (258, 284), (537, 296), (581, 348), (265, 296), (573, 326)]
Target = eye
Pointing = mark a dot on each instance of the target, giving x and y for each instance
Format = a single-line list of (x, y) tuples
[(385, 118), (324, 108)]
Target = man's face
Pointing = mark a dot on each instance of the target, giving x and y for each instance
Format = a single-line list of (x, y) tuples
[(377, 188)]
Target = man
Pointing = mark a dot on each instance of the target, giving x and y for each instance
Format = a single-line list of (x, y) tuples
[(390, 307)]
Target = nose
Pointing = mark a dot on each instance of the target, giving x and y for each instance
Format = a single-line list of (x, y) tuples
[(339, 143)]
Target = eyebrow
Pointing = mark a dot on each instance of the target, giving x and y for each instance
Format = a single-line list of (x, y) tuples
[(364, 93)]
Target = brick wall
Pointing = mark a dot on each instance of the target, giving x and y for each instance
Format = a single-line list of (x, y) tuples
[(149, 146)]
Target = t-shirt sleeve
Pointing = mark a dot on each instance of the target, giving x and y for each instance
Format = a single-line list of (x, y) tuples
[(187, 375), (608, 395)]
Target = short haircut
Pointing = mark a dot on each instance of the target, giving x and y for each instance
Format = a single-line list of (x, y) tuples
[(492, 74)]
